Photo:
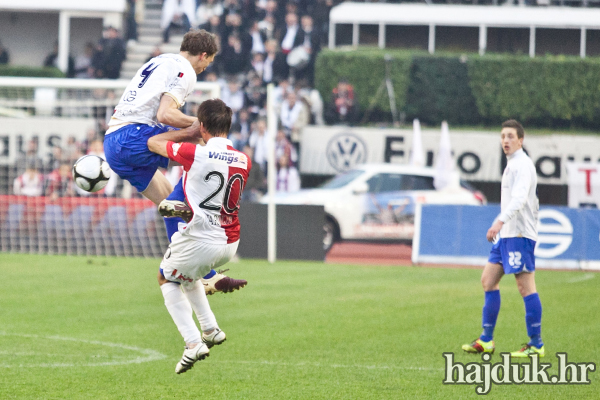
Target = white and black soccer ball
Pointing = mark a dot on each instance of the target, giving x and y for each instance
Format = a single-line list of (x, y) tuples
[(91, 173)]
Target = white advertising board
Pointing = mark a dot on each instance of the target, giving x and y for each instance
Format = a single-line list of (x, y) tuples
[(50, 132), (478, 155)]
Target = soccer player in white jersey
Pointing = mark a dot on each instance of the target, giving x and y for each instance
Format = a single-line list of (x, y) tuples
[(516, 232), (214, 177), (150, 106)]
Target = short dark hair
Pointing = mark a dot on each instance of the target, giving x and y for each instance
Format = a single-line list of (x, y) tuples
[(513, 123), (215, 116), (198, 41)]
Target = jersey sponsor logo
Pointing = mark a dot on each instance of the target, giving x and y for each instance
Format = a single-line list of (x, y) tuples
[(229, 157), (175, 148), (180, 75)]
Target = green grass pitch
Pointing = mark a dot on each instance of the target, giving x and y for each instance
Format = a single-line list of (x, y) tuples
[(97, 328)]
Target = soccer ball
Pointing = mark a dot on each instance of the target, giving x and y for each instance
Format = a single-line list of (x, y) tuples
[(91, 173)]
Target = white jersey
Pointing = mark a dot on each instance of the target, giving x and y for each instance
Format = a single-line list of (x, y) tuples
[(519, 201), (169, 74), (213, 180)]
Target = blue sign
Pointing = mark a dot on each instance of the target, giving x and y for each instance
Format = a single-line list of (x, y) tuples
[(567, 237)]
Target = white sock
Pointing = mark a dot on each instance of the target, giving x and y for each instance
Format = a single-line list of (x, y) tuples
[(197, 298), (181, 312)]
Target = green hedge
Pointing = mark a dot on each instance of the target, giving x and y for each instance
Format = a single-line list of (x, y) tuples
[(365, 70), (43, 72), (439, 91), (541, 89), (470, 90)]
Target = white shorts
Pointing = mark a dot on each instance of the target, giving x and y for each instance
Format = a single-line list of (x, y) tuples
[(187, 259)]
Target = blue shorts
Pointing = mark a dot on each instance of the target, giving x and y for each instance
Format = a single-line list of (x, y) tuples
[(515, 254), (127, 153)]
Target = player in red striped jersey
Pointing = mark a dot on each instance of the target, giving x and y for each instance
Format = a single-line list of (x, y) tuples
[(214, 177)]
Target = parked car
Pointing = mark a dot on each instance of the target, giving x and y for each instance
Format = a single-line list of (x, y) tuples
[(377, 201)]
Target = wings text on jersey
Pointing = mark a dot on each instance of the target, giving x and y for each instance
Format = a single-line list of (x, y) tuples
[(230, 158)]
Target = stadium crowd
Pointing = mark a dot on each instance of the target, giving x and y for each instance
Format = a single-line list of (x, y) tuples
[(261, 42)]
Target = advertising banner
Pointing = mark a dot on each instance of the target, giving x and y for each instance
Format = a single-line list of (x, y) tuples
[(478, 155), (49, 132), (584, 184), (568, 238)]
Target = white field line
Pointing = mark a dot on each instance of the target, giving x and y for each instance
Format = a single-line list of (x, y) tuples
[(147, 355), (584, 277), (152, 355)]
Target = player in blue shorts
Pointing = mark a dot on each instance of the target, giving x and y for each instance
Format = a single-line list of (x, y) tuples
[(516, 232), (149, 106)]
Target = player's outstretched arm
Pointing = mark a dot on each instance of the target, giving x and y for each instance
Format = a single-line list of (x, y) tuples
[(169, 113), (158, 144)]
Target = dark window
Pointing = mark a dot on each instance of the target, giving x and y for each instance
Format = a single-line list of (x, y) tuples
[(417, 182)]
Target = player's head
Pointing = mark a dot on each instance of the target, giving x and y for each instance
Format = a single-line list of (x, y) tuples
[(200, 47), (215, 117), (511, 136)]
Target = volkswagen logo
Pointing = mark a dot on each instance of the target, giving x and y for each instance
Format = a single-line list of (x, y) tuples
[(346, 150), (555, 234)]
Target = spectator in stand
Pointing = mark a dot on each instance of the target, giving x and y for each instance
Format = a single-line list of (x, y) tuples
[(256, 183), (258, 39), (256, 97), (233, 96), (113, 53), (312, 45), (51, 60), (240, 130), (275, 67), (234, 26), (288, 178), (321, 15), (31, 159), (234, 60), (290, 37), (155, 53), (232, 7), (55, 160), (313, 100), (341, 109), (4, 56), (207, 9), (71, 150), (271, 19), (237, 141), (294, 116), (283, 146), (179, 14), (59, 182), (131, 35), (83, 62), (259, 142), (280, 92), (213, 25), (30, 183)]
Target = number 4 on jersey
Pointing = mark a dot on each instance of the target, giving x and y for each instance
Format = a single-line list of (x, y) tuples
[(146, 74)]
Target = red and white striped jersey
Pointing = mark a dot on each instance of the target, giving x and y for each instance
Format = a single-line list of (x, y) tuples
[(213, 180)]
